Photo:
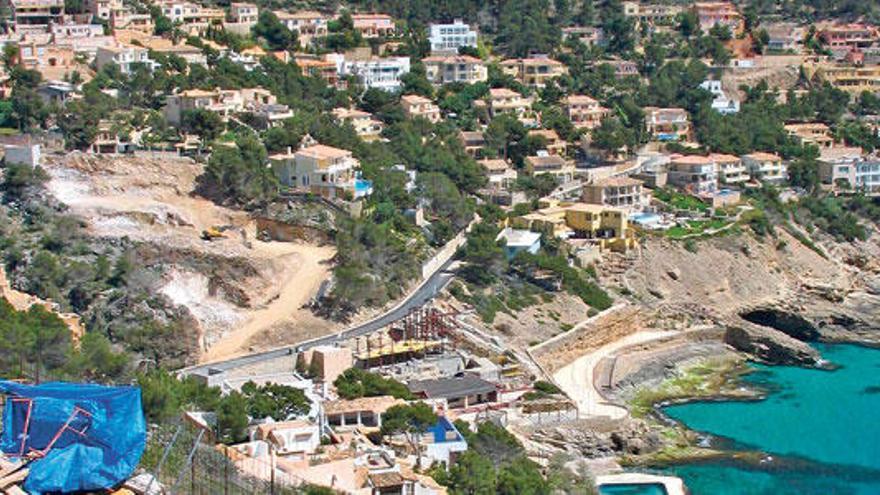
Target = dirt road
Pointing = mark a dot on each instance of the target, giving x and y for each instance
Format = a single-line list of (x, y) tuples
[(294, 290)]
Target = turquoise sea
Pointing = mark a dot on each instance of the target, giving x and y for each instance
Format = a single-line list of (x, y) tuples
[(820, 429)]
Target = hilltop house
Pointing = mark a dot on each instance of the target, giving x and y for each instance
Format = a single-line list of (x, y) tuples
[(813, 133), (323, 170), (606, 227), (473, 142)]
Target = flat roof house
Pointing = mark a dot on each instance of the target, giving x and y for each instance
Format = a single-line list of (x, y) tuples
[(292, 439), (375, 72), (448, 38), (519, 240), (459, 391)]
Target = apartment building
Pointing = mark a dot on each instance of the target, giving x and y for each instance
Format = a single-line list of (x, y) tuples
[(448, 38), (415, 106), (546, 164), (667, 124), (766, 167), (652, 13), (849, 169), (730, 168), (500, 174), (853, 80), (377, 72), (855, 35), (583, 111), (619, 192), (693, 173), (367, 127), (811, 133), (506, 101), (552, 142), (126, 57), (373, 25), (534, 71), (324, 170), (36, 15), (455, 68), (711, 14)]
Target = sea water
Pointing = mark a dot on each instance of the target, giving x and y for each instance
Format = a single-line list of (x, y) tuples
[(820, 430)]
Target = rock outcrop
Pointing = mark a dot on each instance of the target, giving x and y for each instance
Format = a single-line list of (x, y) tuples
[(769, 345)]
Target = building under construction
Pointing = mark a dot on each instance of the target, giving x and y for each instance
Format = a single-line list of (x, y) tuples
[(420, 333)]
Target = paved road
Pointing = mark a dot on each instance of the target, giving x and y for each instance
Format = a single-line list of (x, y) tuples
[(425, 292)]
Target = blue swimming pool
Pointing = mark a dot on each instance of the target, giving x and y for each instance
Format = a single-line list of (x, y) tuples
[(645, 218), (632, 489), (363, 187)]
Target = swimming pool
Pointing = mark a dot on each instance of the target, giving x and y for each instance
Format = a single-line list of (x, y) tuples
[(632, 489), (645, 219), (363, 187)]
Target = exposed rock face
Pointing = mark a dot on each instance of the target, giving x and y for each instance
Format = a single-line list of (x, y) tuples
[(787, 322), (586, 440), (769, 345)]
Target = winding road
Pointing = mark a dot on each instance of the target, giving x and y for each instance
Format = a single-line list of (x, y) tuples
[(421, 295)]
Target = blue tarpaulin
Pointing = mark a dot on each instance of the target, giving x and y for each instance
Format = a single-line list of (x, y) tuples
[(82, 437)]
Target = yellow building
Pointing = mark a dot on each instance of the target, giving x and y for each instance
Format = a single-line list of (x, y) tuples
[(848, 78), (607, 227)]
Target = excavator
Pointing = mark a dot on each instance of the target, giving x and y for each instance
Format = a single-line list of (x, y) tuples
[(215, 232)]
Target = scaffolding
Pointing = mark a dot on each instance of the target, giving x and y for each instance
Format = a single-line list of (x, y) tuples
[(421, 332)]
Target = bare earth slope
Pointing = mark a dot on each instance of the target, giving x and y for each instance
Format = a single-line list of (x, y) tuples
[(237, 288)]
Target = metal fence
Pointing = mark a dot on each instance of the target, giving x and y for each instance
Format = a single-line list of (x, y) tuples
[(184, 461)]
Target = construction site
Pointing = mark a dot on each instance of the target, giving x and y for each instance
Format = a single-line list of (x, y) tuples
[(244, 290)]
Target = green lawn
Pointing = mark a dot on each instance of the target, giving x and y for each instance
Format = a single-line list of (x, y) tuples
[(695, 227), (680, 201)]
